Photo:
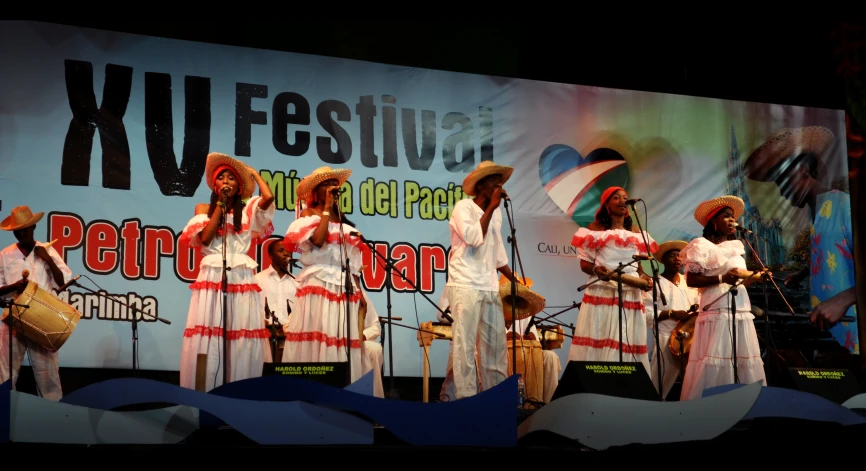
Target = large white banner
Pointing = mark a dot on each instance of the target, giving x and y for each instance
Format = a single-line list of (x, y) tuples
[(107, 133)]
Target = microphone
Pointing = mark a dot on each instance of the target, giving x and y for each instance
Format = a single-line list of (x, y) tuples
[(631, 202), (68, 284), (504, 194), (358, 235), (641, 257), (337, 191), (741, 228), (225, 189)]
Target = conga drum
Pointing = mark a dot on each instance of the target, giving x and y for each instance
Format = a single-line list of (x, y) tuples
[(47, 320), (530, 365)]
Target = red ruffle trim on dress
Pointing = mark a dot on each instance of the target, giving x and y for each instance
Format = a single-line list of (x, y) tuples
[(322, 338), (609, 343), (330, 295), (205, 331), (593, 243), (232, 287)]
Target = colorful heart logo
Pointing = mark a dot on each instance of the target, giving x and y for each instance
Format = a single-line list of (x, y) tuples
[(575, 183)]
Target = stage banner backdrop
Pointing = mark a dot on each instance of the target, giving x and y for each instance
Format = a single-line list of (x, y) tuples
[(107, 133)]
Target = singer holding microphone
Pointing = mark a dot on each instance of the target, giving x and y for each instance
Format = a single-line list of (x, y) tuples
[(472, 289), (609, 240), (47, 269), (713, 263), (321, 234), (227, 227)]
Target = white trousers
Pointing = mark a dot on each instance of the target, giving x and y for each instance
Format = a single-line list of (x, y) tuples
[(45, 363), (478, 323), (373, 359)]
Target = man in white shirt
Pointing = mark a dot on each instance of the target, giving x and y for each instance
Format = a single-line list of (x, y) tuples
[(278, 292), (680, 300), (472, 289), (47, 269)]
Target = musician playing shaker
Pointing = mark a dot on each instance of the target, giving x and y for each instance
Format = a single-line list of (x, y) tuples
[(713, 264), (47, 269), (609, 240), (472, 289), (680, 300)]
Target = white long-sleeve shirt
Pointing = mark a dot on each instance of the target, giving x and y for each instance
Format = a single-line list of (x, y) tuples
[(475, 257)]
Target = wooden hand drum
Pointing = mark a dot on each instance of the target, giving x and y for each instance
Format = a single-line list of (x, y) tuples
[(48, 320), (530, 364)]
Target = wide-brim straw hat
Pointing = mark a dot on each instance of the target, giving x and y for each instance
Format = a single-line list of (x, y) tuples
[(706, 210), (215, 160), (20, 218), (526, 303), (526, 281), (485, 169), (785, 145), (311, 181), (668, 246)]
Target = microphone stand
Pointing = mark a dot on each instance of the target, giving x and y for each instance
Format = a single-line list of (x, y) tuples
[(550, 317), (656, 293), (348, 287), (733, 308), (764, 288), (134, 324), (618, 271), (392, 269), (515, 254), (225, 288)]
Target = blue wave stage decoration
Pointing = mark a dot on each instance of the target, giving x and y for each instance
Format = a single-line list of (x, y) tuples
[(793, 404), (258, 408), (5, 410)]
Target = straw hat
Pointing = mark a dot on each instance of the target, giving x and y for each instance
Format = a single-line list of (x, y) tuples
[(485, 169), (311, 181), (706, 210), (783, 146), (20, 218), (528, 303), (218, 162), (668, 246)]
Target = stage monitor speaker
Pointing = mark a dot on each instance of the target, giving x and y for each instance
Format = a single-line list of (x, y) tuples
[(835, 385), (333, 374), (628, 380)]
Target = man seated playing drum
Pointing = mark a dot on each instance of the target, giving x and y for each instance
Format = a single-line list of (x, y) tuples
[(46, 268)]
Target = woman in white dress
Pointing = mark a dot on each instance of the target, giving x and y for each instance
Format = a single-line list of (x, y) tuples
[(713, 263), (608, 241), (248, 220), (317, 328)]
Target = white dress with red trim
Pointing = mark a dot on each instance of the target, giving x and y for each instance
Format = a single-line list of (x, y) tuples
[(247, 337), (596, 336), (317, 327), (711, 354)]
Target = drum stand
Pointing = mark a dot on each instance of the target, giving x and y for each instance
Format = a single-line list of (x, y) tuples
[(392, 269), (618, 271), (134, 324)]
